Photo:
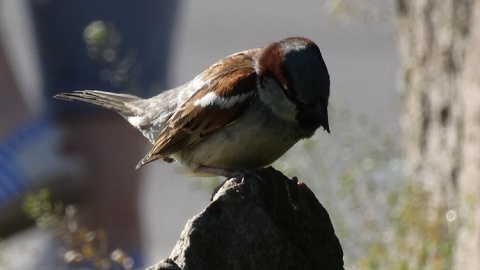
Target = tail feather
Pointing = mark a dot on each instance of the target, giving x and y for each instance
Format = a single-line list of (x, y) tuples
[(106, 100)]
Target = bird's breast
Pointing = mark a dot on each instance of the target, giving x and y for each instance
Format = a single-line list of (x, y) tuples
[(256, 139)]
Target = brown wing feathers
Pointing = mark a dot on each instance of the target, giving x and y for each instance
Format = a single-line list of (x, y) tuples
[(191, 123)]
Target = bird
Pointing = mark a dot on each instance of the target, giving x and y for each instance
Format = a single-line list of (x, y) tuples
[(242, 113)]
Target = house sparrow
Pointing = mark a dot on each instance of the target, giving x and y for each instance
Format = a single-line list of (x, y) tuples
[(243, 112)]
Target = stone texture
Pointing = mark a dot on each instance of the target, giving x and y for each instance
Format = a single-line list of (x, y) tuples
[(265, 221)]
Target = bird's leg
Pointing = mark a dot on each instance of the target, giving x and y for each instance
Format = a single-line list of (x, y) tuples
[(228, 173), (237, 175)]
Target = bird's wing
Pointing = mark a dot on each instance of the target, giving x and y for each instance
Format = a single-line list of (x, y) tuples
[(229, 86)]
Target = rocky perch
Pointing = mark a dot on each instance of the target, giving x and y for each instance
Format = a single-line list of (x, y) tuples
[(265, 221)]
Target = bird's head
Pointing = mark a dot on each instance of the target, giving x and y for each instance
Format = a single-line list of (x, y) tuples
[(296, 66)]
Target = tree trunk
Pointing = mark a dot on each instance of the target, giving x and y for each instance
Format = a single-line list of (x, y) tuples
[(439, 47)]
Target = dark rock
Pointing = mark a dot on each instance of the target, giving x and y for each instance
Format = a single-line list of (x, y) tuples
[(265, 221), (166, 264)]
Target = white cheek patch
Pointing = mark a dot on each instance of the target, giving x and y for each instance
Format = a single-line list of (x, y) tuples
[(222, 102), (273, 97)]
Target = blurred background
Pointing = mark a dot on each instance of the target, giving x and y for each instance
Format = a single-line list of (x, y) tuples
[(353, 171)]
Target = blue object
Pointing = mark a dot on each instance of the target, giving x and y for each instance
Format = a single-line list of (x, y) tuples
[(13, 182)]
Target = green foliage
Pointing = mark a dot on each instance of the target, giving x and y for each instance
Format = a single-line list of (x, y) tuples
[(81, 246), (37, 206), (382, 222), (369, 11), (420, 239)]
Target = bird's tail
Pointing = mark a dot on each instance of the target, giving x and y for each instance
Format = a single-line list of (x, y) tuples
[(112, 101)]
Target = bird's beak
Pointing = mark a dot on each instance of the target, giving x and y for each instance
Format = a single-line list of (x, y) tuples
[(324, 119), (314, 115)]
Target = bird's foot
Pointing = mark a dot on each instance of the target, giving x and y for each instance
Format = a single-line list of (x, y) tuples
[(228, 173), (242, 177)]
